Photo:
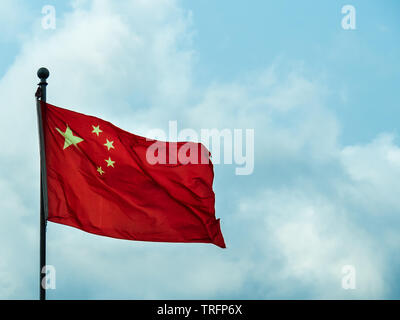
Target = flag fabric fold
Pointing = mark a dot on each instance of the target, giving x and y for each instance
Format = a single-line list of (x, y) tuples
[(104, 180)]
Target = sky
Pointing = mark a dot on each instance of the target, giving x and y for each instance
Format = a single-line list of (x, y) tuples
[(324, 105)]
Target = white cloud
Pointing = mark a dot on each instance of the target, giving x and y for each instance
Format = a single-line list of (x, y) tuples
[(311, 237), (374, 170), (17, 238)]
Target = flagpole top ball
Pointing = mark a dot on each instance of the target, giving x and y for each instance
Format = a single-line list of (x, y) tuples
[(43, 73)]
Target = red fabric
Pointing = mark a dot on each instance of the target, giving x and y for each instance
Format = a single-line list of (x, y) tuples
[(133, 200)]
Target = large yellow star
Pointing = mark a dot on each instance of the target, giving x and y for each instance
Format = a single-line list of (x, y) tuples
[(109, 145), (69, 138)]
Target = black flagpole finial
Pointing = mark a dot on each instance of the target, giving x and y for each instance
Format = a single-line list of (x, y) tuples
[(43, 73)]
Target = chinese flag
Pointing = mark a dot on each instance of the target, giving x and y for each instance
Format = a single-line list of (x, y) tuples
[(100, 180)]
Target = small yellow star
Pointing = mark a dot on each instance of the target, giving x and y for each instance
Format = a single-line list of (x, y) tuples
[(96, 130), (109, 145), (110, 163), (100, 170)]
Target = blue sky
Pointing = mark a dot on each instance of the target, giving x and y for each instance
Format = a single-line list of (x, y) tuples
[(323, 103), (238, 38)]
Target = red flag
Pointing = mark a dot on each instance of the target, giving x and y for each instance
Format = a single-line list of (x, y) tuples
[(105, 181)]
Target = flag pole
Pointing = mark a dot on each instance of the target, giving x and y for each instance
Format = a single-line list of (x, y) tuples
[(43, 74)]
